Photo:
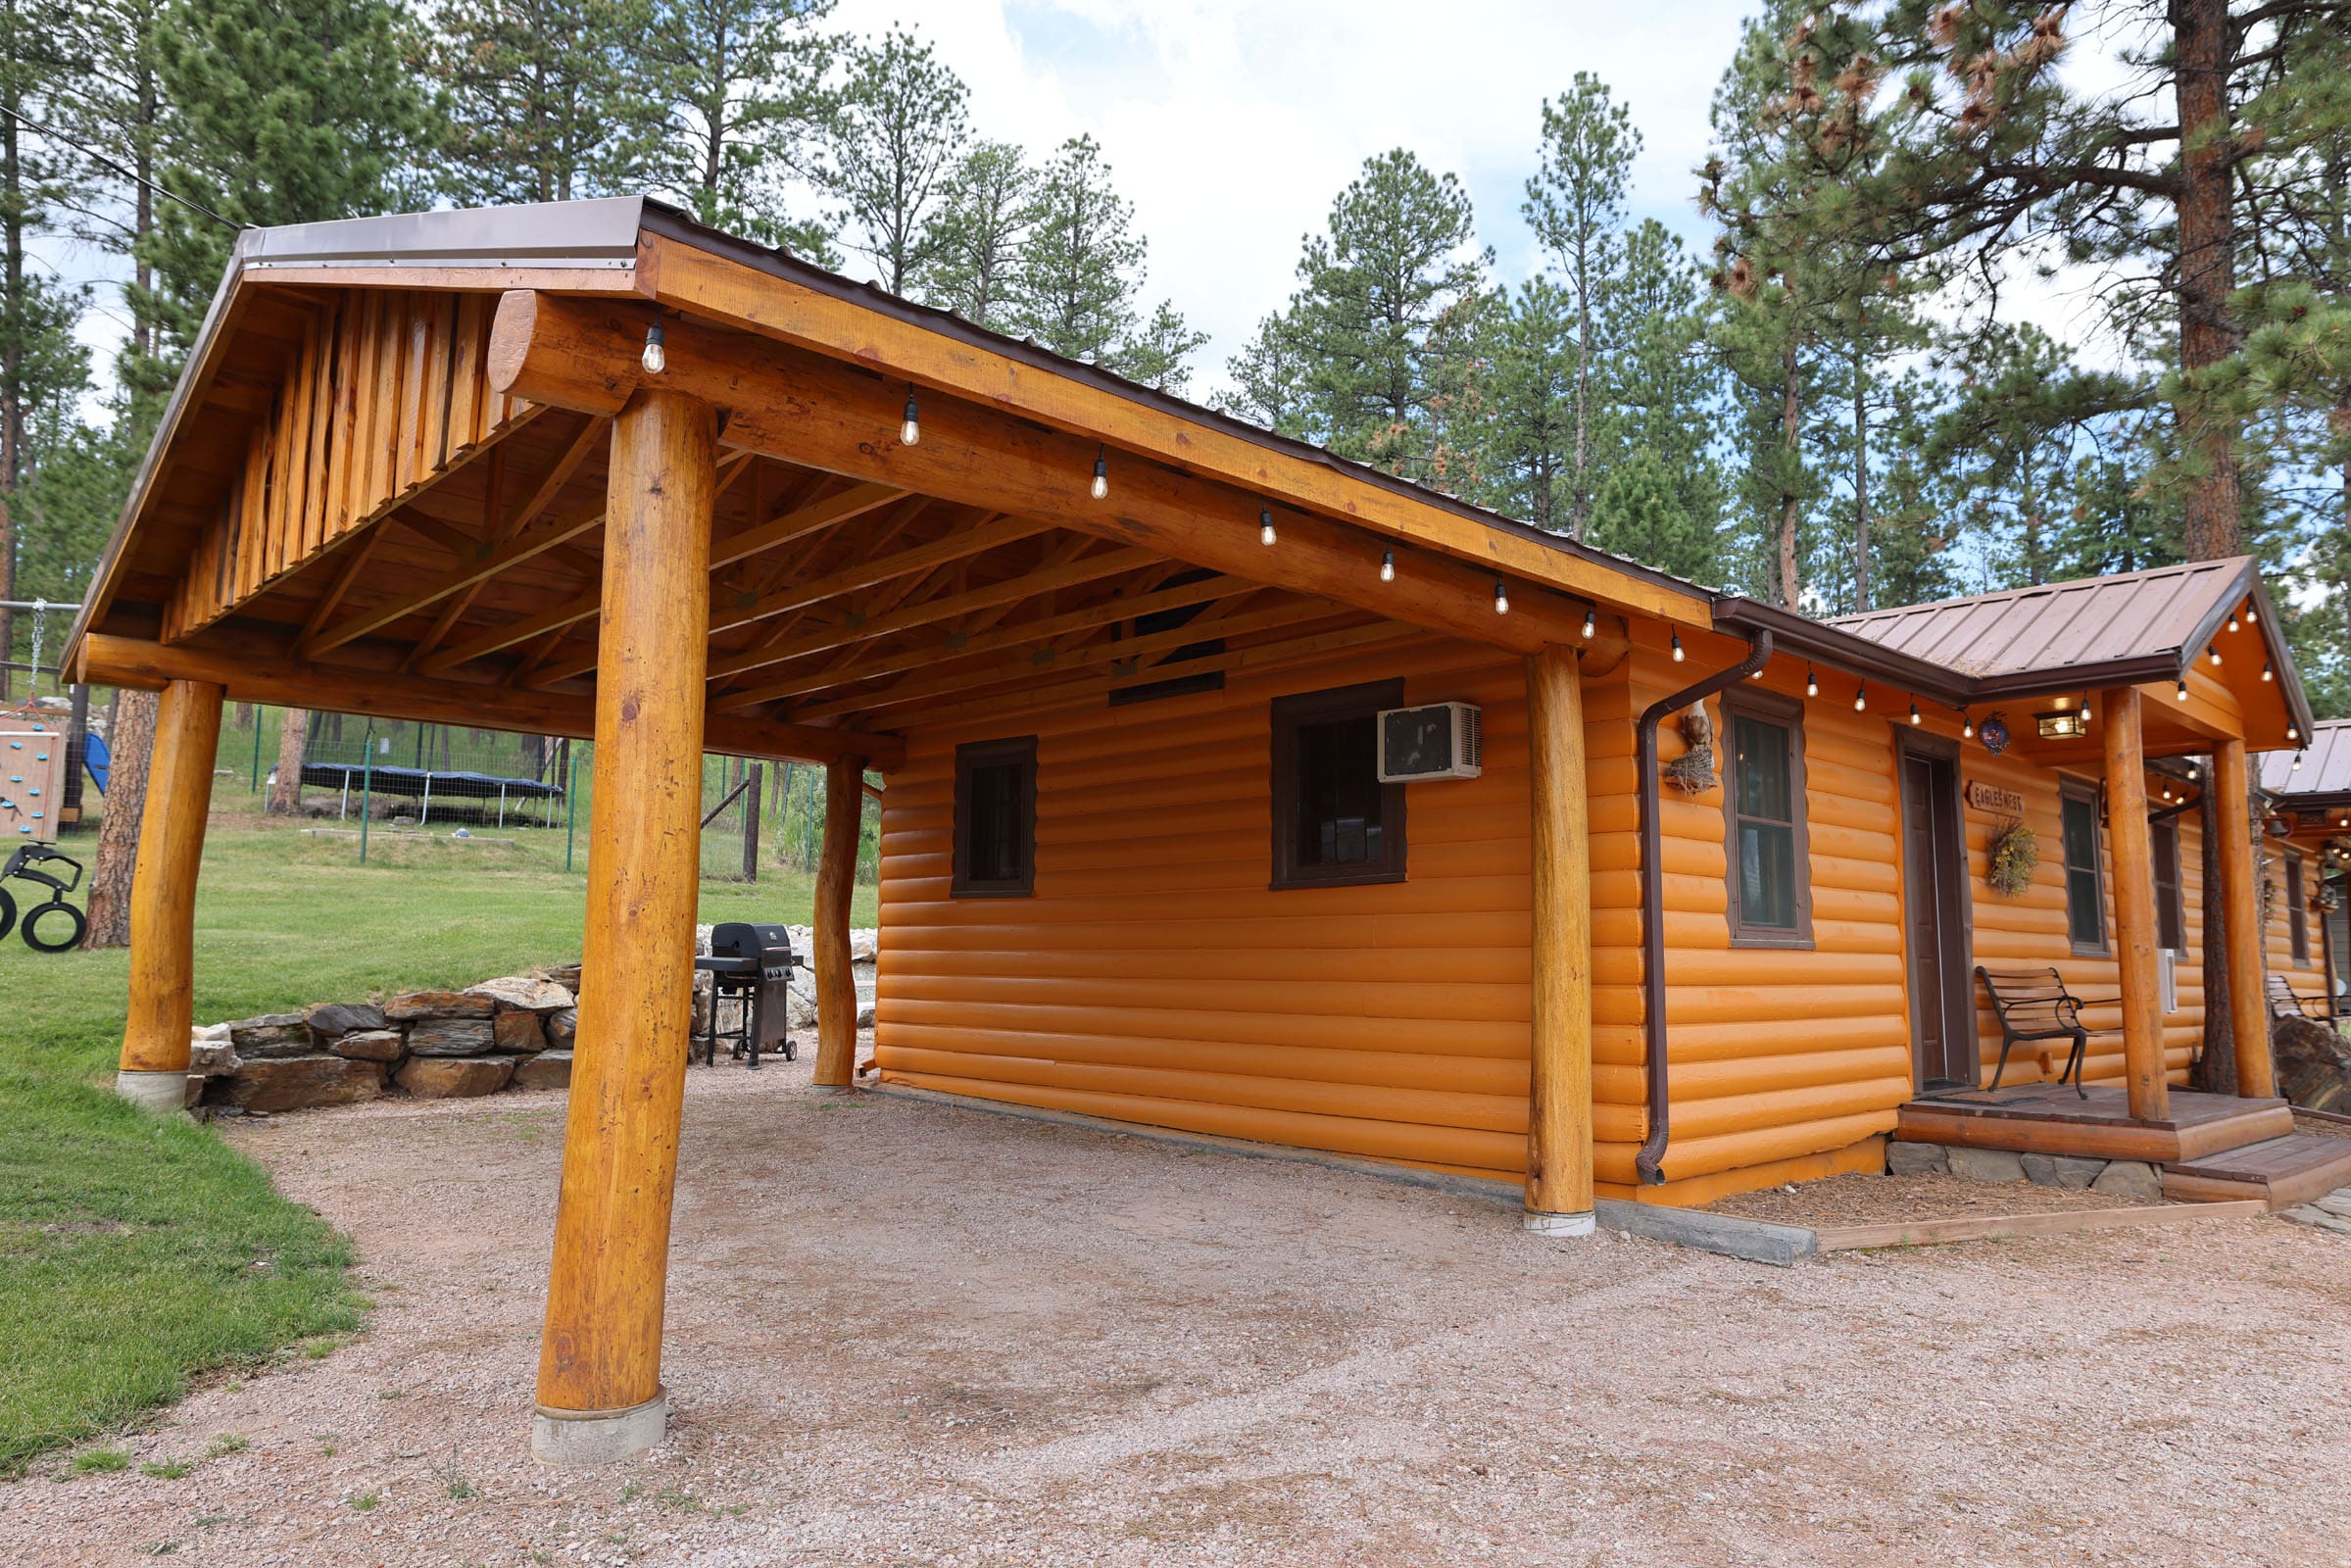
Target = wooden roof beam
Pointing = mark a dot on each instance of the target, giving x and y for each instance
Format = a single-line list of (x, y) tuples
[(250, 677), (819, 413)]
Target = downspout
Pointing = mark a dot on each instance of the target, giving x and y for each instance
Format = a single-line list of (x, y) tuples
[(1650, 1161)]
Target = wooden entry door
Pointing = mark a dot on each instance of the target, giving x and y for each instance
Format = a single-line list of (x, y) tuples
[(1935, 923)]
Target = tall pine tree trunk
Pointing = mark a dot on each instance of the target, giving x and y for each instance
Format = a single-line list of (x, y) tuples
[(2208, 334), (129, 738), (285, 795), (1861, 480), (1791, 449)]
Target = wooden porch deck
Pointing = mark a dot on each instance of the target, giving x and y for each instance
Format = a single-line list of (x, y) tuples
[(2212, 1146)]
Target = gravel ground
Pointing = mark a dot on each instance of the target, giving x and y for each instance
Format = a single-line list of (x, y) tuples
[(1870, 1200), (911, 1334)]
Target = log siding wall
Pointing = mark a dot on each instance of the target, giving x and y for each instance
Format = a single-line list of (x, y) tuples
[(1154, 977)]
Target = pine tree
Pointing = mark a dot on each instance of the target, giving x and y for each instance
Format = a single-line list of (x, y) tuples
[(743, 82), (895, 142), (1269, 379), (286, 112), (1576, 205), (116, 111), (1158, 352), (1074, 288), (1386, 317), (1639, 513), (977, 234), (1534, 409), (1663, 392), (39, 360), (540, 100)]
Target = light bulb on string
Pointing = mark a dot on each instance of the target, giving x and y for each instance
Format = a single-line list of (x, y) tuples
[(1265, 533), (1812, 682), (655, 358), (2181, 694), (1861, 697), (1914, 711), (1388, 567), (1501, 598), (910, 428), (1591, 624), (1677, 655), (1967, 725), (1101, 473)]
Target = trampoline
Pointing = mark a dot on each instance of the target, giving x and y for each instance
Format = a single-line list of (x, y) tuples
[(427, 786)]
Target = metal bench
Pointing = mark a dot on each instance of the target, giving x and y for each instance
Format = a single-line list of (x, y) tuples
[(2035, 1005), (2285, 1003)]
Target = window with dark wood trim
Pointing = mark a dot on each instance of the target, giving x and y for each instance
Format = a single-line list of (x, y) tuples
[(2084, 884), (2171, 910), (1334, 824), (2297, 910), (1764, 838), (996, 820)]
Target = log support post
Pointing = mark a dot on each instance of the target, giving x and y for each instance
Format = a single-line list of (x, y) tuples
[(154, 1072), (835, 885), (599, 1395), (1559, 1057), (2248, 1001), (2135, 928)]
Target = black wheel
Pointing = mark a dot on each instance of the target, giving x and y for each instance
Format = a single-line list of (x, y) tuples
[(8, 914), (41, 928)]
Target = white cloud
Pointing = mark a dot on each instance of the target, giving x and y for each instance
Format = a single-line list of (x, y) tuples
[(1232, 125)]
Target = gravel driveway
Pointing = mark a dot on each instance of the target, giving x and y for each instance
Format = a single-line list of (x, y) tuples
[(910, 1334)]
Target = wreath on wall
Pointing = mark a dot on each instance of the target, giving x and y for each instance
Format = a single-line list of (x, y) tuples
[(2015, 853)]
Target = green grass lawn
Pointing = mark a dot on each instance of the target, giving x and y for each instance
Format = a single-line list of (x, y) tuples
[(135, 1253)]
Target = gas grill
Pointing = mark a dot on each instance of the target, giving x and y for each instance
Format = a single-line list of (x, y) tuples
[(751, 966)]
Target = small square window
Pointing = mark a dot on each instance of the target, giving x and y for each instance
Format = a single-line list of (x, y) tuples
[(1334, 823), (995, 818)]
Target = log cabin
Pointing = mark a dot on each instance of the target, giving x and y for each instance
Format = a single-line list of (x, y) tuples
[(1228, 787), (2309, 883)]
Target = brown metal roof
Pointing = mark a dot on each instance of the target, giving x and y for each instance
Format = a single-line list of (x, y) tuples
[(2326, 771), (2165, 612)]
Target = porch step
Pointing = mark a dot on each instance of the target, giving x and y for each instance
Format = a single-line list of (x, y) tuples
[(2052, 1119), (2281, 1171)]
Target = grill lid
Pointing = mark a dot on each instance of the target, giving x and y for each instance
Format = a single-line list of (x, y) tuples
[(768, 945)]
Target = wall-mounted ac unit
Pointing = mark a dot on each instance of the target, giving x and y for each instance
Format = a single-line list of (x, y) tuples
[(1439, 741)]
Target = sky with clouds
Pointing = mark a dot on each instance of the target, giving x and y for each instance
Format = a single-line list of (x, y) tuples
[(1231, 124)]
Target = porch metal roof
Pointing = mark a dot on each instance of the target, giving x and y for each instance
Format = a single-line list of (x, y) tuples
[(2325, 777)]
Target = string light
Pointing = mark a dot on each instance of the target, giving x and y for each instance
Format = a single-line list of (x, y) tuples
[(1967, 725), (2212, 650), (1387, 570), (2232, 620), (1264, 525), (1501, 598), (655, 358), (1591, 624), (1678, 655), (1812, 682), (2182, 693), (909, 429), (2086, 713), (1102, 473), (2292, 734), (2269, 672), (2297, 762), (2252, 616), (1914, 710), (1861, 697)]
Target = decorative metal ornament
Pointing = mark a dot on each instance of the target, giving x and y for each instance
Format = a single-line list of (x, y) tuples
[(1995, 732)]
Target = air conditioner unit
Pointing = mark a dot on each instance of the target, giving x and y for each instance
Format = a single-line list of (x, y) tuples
[(1439, 741), (2166, 978)]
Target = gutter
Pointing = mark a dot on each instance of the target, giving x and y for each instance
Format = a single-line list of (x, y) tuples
[(1650, 1161)]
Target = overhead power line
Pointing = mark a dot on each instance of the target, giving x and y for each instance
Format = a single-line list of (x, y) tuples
[(108, 163)]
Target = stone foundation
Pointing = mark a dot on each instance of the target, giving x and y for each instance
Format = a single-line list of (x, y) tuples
[(2134, 1179)]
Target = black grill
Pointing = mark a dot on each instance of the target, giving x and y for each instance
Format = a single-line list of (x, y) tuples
[(750, 966)]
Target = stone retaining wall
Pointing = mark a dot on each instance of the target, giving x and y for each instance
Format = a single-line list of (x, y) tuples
[(515, 1032)]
